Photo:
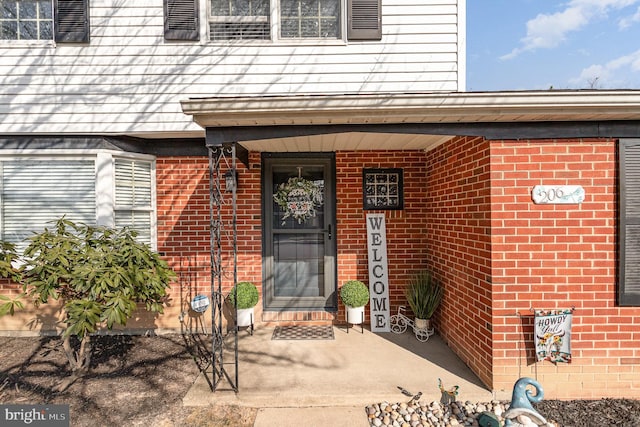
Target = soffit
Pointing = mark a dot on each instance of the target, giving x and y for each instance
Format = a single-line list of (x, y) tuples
[(402, 108), (351, 141)]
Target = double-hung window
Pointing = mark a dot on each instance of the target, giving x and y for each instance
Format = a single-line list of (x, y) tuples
[(26, 20), (104, 188), (134, 197), (297, 19), (45, 20), (310, 19), (239, 20)]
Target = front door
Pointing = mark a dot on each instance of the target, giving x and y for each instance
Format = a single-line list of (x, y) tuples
[(299, 232)]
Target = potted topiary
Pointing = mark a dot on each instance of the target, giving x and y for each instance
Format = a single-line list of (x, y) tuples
[(424, 295), (247, 298), (355, 296)]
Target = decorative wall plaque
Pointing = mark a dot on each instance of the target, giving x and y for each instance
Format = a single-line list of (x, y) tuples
[(382, 189), (557, 194)]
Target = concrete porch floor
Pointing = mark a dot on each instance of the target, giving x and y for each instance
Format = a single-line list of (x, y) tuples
[(353, 370)]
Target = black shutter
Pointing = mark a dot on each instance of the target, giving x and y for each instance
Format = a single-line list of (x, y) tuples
[(365, 20), (629, 223), (181, 20), (71, 21)]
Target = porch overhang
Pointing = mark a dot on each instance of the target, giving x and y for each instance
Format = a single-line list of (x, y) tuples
[(413, 120)]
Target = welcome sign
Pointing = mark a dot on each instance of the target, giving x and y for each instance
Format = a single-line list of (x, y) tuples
[(378, 273)]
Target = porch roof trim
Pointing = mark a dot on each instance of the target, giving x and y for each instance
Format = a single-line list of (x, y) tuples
[(389, 108)]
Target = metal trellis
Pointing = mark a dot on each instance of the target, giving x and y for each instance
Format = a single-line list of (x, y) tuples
[(224, 346)]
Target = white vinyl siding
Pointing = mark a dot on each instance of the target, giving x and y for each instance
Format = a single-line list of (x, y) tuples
[(37, 192), (129, 80), (133, 202)]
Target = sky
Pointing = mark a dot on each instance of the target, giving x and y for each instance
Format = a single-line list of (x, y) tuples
[(553, 44)]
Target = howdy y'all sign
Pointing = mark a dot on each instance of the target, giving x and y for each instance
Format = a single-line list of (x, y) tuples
[(553, 335), (378, 273)]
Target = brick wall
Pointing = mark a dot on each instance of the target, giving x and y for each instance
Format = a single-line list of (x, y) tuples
[(560, 256), (183, 226), (458, 235), (406, 229), (184, 232)]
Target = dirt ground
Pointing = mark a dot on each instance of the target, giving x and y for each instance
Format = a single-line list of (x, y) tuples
[(133, 381), (140, 381)]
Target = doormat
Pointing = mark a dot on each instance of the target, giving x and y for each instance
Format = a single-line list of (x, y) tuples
[(323, 332)]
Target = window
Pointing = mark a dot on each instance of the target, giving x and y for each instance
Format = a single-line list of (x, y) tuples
[(296, 19), (239, 20), (310, 18), (46, 191), (59, 20), (629, 223), (100, 189), (133, 202), (382, 188), (26, 20), (249, 19)]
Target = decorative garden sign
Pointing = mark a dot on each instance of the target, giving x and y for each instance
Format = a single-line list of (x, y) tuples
[(553, 335), (557, 194), (378, 273), (200, 303), (299, 198)]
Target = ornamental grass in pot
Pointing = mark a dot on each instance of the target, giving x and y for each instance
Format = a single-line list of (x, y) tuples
[(247, 298), (424, 295), (355, 296)]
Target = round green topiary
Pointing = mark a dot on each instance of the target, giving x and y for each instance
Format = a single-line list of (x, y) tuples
[(248, 295), (354, 293)]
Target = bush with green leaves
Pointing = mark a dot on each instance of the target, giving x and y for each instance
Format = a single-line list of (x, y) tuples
[(100, 275), (354, 293), (8, 257), (248, 295)]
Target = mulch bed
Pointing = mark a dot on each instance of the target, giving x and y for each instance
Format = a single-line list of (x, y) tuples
[(592, 413), (140, 381), (133, 381)]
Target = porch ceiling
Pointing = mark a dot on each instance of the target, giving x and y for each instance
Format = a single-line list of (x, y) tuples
[(453, 111), (351, 141)]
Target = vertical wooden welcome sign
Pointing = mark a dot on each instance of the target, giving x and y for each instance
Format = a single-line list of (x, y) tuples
[(378, 273)]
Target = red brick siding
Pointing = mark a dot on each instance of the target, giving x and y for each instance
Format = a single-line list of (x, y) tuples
[(458, 235), (184, 232), (406, 229), (560, 256), (183, 225)]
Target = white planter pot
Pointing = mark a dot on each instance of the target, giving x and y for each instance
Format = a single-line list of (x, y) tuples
[(422, 323), (355, 315), (245, 317)]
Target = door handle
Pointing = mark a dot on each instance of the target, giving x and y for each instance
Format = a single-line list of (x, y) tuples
[(329, 231)]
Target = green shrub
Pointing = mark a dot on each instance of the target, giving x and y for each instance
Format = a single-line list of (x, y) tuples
[(354, 293), (99, 274), (424, 295), (248, 295)]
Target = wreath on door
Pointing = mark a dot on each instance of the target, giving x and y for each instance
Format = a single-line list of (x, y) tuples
[(299, 198)]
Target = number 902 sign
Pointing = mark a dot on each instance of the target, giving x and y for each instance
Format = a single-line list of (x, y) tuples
[(557, 194)]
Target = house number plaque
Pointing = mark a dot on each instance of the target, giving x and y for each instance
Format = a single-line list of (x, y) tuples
[(557, 194)]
